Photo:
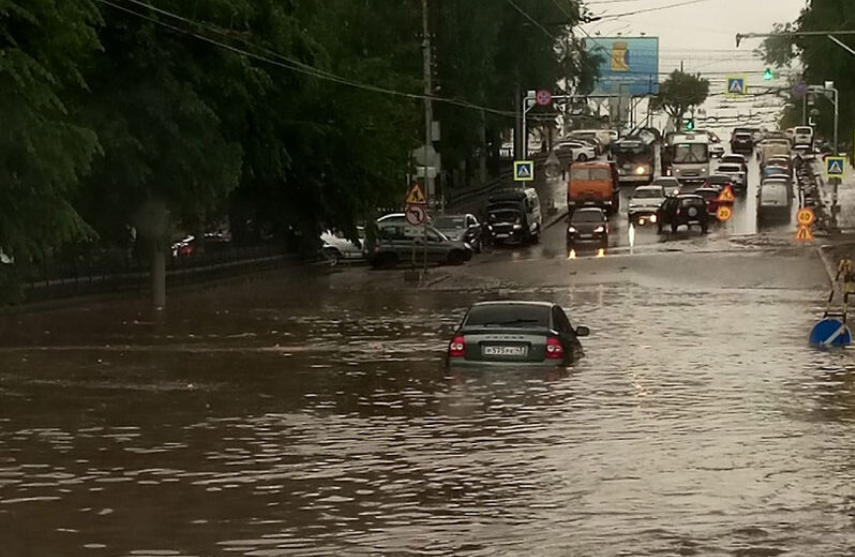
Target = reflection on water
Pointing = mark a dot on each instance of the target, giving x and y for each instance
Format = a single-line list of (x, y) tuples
[(696, 426)]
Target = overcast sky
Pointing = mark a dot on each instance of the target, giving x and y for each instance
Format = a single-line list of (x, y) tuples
[(700, 34)]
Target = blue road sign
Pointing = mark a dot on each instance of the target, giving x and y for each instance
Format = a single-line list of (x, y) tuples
[(830, 333), (523, 171), (736, 86), (834, 167)]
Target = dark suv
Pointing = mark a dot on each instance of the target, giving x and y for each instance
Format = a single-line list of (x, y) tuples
[(742, 143), (685, 209)]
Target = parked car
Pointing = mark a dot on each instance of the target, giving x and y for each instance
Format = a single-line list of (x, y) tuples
[(515, 333), (394, 245), (514, 216), (644, 203), (589, 226), (575, 150), (684, 209), (461, 228), (338, 247), (670, 184)]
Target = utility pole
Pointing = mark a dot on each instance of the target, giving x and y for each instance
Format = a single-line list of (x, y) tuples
[(428, 79)]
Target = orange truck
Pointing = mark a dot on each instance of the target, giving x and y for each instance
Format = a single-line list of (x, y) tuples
[(593, 184)]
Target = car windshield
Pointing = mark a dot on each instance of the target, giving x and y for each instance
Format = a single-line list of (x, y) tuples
[(587, 216), (802, 131), (590, 174), (707, 193), (505, 215), (446, 222), (511, 315), (647, 193), (685, 153)]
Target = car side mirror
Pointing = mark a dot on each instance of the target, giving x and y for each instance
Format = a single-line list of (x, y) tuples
[(582, 331)]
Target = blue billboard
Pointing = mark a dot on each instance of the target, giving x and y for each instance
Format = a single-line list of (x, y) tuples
[(628, 65)]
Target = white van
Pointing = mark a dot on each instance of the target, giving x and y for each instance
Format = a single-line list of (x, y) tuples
[(803, 135)]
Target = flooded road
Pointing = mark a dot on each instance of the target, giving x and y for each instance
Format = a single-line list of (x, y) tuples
[(315, 418)]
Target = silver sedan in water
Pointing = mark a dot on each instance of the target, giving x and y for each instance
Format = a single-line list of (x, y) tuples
[(516, 333)]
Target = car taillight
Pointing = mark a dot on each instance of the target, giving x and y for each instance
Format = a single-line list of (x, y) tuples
[(457, 348), (554, 350)]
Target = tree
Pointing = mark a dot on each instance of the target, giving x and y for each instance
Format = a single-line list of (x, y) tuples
[(43, 153), (821, 59), (680, 93)]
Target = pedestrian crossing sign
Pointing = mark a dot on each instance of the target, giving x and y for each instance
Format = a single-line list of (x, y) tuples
[(736, 86), (523, 171), (834, 167)]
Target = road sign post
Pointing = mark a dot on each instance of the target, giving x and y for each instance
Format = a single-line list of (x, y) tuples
[(543, 97), (830, 333), (724, 213)]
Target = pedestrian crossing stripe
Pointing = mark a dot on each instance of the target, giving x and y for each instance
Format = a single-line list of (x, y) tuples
[(804, 234), (416, 196), (834, 166), (523, 171)]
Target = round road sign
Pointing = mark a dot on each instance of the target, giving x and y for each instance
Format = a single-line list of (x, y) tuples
[(805, 217), (543, 97), (724, 213), (416, 215)]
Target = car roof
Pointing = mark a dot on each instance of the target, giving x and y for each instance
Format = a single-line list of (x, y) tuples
[(688, 196), (650, 187), (500, 303), (734, 156)]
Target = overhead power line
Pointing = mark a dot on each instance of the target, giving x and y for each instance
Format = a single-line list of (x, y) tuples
[(531, 19), (285, 62), (656, 9)]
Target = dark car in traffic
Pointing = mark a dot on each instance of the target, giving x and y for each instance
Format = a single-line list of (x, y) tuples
[(461, 228), (517, 333), (588, 227), (686, 210), (742, 142)]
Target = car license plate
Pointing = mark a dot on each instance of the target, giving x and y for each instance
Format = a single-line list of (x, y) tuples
[(586, 235), (502, 235), (505, 350)]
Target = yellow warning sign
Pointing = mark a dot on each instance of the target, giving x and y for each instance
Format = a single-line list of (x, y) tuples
[(726, 195), (805, 217), (416, 196), (804, 234), (724, 213)]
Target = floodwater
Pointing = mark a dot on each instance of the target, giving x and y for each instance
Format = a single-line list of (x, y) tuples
[(283, 418)]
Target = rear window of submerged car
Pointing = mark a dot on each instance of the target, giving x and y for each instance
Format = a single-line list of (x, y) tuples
[(517, 316)]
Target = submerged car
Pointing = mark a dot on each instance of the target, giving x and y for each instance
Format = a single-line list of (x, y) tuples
[(517, 333)]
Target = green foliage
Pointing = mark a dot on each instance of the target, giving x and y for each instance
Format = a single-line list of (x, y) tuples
[(680, 93), (104, 110), (822, 60), (42, 152)]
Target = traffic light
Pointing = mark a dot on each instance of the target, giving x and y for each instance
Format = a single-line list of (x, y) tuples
[(690, 124), (768, 75)]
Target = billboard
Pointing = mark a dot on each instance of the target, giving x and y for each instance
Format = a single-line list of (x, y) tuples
[(628, 65)]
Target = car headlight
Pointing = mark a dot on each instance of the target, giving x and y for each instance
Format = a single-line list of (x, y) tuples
[(600, 229), (653, 219), (518, 227), (640, 170), (571, 230)]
